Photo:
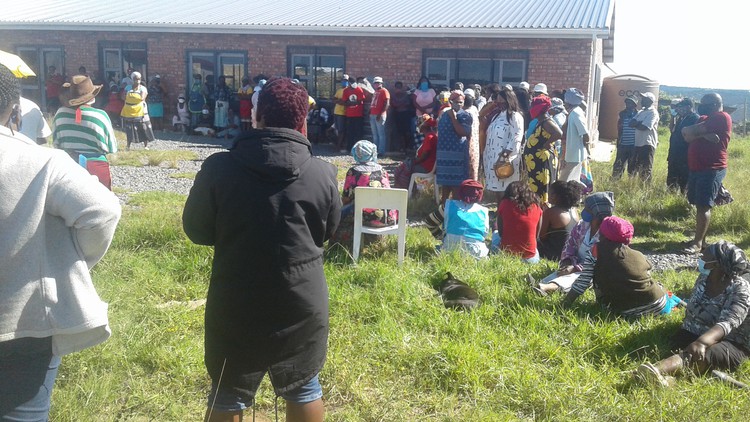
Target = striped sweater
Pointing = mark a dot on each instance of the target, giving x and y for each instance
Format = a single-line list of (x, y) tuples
[(92, 137)]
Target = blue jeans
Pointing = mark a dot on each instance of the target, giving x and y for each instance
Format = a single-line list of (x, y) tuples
[(378, 133), (27, 374), (228, 402)]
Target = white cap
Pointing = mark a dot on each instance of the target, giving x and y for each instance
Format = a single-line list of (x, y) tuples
[(470, 93), (377, 79), (524, 85), (648, 95)]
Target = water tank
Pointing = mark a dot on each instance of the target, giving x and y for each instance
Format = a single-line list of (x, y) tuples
[(614, 91)]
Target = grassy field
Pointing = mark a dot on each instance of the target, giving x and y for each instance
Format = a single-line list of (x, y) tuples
[(395, 353)]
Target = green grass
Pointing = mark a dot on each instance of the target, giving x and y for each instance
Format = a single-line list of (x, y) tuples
[(187, 175), (395, 353), (140, 157)]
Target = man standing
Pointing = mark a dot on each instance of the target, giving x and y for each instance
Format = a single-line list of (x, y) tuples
[(381, 100), (625, 140), (84, 132), (52, 89), (355, 109), (646, 138), (339, 114), (677, 160), (707, 161), (576, 144), (266, 206)]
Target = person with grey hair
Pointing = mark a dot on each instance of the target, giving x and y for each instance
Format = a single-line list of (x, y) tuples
[(134, 113)]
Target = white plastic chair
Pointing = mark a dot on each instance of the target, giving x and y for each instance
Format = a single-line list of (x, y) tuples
[(381, 198), (426, 176)]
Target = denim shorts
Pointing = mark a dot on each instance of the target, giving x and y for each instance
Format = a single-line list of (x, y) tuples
[(227, 401), (703, 186)]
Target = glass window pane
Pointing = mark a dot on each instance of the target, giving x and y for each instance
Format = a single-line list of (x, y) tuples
[(437, 71), (471, 71), (512, 71), (201, 64)]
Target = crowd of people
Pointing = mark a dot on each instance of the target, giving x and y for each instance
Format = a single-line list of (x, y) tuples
[(499, 139)]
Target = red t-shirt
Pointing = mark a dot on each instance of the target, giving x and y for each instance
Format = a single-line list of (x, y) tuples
[(704, 155), (358, 95), (519, 229), (428, 150), (377, 105)]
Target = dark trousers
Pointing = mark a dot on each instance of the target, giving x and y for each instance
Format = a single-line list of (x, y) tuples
[(353, 130), (403, 129), (677, 174), (625, 158), (644, 161)]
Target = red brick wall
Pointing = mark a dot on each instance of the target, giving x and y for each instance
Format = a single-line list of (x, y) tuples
[(560, 63)]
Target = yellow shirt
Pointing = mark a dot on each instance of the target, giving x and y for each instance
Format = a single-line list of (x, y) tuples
[(340, 109)]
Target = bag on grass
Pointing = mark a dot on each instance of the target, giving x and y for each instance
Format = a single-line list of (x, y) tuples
[(456, 294)]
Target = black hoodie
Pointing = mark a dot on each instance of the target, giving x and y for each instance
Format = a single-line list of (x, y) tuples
[(266, 206)]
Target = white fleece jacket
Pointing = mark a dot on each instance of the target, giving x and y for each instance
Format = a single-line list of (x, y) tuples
[(56, 222)]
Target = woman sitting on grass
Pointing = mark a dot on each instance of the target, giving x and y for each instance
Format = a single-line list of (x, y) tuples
[(518, 221), (466, 222), (368, 173), (621, 276), (559, 218), (584, 235), (715, 333)]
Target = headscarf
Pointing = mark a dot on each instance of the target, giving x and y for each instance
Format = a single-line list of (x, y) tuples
[(600, 204), (443, 97), (731, 258), (617, 229), (557, 105), (539, 106), (365, 151), (573, 96), (455, 95), (470, 191)]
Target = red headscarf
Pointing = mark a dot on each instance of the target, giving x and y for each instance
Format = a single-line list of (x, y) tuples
[(470, 191), (539, 106)]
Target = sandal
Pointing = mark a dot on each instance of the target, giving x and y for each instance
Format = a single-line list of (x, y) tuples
[(691, 250), (539, 291)]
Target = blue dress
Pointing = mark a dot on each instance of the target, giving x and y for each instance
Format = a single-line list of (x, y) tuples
[(452, 165)]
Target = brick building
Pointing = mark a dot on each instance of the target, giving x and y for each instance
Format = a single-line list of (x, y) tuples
[(563, 43)]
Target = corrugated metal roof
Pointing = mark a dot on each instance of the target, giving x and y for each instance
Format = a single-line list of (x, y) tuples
[(463, 17)]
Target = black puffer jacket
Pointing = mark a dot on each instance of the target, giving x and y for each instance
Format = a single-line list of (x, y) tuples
[(266, 206)]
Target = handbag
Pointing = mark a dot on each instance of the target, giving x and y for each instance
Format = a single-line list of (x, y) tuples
[(503, 168)]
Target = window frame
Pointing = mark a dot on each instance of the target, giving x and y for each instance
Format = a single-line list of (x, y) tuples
[(454, 58), (121, 47), (316, 56), (233, 81)]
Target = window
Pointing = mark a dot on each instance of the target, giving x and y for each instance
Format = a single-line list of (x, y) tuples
[(117, 57), (317, 68), (445, 67), (39, 60), (212, 64)]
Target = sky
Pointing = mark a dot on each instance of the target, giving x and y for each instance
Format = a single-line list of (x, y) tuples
[(687, 43)]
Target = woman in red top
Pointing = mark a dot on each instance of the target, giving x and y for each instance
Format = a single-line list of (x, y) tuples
[(518, 221)]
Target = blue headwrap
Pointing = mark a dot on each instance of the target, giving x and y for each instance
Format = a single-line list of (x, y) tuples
[(365, 152)]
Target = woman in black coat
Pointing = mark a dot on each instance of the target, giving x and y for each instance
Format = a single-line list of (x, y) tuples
[(267, 206)]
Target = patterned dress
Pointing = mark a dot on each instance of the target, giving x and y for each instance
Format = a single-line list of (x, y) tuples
[(541, 163), (452, 166), (503, 134), (474, 144)]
